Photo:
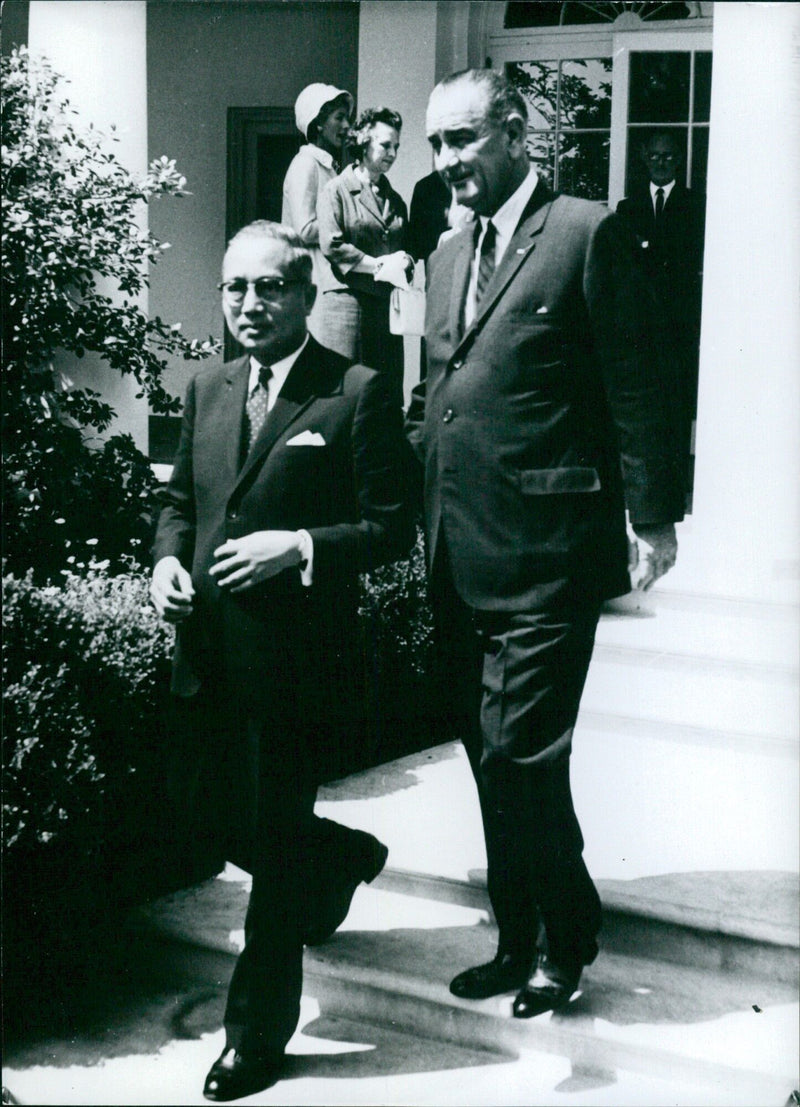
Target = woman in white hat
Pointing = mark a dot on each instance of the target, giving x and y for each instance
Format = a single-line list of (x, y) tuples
[(322, 114)]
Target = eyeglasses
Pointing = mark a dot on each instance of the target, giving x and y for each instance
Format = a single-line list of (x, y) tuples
[(268, 289)]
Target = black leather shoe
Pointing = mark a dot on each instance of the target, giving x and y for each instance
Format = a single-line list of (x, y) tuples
[(504, 974), (235, 1075), (549, 988), (332, 911)]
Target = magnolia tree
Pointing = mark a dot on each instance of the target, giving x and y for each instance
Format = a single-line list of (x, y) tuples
[(75, 256)]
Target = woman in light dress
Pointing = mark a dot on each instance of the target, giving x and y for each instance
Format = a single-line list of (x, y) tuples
[(363, 229), (322, 114)]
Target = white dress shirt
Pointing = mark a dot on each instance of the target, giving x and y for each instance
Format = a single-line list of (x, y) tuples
[(666, 189), (505, 220), (280, 371)]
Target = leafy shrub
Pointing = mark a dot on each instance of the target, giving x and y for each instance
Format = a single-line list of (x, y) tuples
[(85, 674), (398, 626), (74, 258), (395, 605)]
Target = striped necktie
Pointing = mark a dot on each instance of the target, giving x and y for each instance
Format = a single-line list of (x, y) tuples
[(256, 406), (486, 261)]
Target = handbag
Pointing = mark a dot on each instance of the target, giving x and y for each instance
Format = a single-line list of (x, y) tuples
[(407, 305)]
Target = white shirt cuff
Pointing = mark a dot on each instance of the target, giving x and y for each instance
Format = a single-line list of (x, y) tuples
[(307, 553)]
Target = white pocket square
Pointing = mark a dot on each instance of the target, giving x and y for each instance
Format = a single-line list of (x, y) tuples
[(307, 438), (543, 310)]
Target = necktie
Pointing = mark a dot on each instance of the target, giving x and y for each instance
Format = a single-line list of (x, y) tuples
[(256, 406), (486, 261), (659, 203)]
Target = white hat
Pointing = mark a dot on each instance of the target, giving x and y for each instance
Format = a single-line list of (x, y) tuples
[(312, 100)]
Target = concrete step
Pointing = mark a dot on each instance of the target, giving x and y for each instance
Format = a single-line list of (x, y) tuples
[(759, 707), (730, 633), (661, 919), (393, 962), (728, 1037), (685, 835), (689, 669), (153, 1045)]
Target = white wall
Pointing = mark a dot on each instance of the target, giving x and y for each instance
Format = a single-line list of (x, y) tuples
[(100, 46), (744, 535), (204, 58), (396, 68)]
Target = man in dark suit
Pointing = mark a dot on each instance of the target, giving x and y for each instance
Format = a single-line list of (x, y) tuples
[(668, 223), (286, 486), (540, 419), (427, 218)]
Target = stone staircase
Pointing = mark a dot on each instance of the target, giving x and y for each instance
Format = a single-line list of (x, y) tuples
[(685, 776)]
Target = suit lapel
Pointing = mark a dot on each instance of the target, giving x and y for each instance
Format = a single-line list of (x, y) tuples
[(298, 391), (458, 289), (237, 374), (365, 196), (523, 241)]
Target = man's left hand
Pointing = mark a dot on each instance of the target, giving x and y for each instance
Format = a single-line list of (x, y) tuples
[(653, 553), (244, 562)]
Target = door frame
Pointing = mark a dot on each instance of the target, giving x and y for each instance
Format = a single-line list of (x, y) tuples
[(677, 38), (244, 126)]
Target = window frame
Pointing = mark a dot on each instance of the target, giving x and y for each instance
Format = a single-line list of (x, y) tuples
[(604, 40)]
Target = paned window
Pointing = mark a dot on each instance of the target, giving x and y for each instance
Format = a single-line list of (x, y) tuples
[(569, 121), (670, 90)]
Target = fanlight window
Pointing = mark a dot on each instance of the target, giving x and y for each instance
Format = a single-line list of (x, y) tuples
[(542, 13)]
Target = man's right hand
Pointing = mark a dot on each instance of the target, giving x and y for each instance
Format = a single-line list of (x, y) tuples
[(171, 590)]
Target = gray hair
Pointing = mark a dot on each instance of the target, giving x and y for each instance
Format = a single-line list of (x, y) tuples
[(502, 97), (300, 266), (360, 134)]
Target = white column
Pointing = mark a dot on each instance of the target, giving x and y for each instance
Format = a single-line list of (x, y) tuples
[(100, 46), (396, 68), (743, 538)]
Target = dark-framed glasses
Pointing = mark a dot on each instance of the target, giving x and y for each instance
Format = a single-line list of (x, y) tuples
[(268, 289)]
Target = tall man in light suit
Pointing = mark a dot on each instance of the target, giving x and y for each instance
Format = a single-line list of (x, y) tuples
[(539, 420), (287, 484)]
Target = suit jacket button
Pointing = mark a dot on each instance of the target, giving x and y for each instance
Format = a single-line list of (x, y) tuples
[(448, 415), (232, 516)]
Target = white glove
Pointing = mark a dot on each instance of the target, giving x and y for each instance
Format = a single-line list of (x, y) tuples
[(396, 269)]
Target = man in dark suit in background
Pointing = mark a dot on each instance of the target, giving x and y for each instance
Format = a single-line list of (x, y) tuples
[(427, 218), (287, 484), (433, 212), (540, 382), (668, 222)]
